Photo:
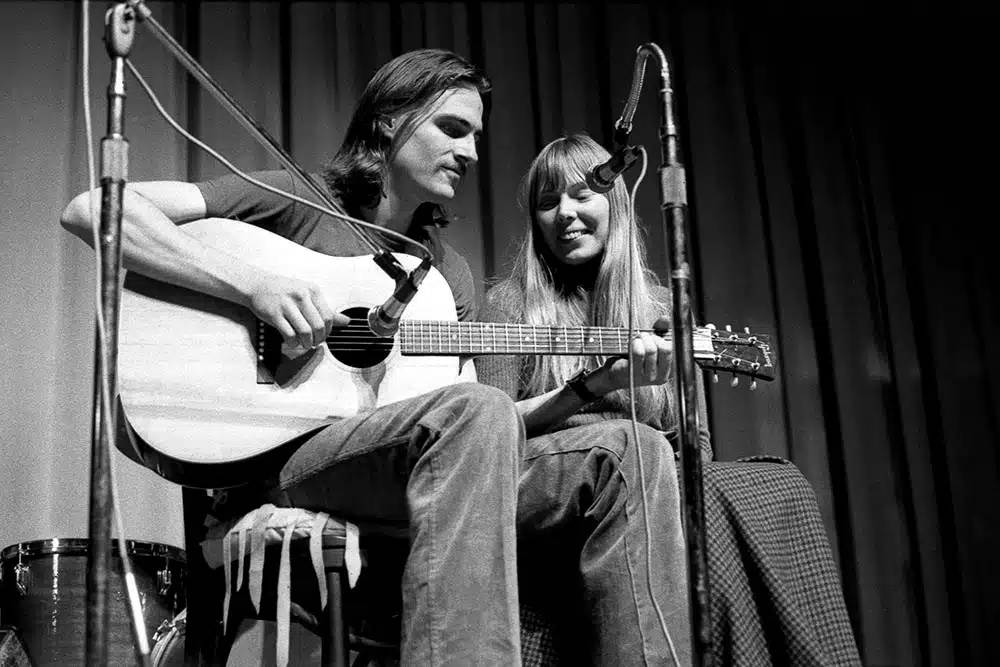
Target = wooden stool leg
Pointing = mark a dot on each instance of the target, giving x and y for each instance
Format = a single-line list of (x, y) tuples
[(202, 610), (335, 651)]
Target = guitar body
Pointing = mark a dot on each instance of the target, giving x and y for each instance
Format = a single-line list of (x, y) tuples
[(201, 406)]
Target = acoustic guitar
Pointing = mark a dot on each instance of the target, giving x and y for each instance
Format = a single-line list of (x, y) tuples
[(210, 396)]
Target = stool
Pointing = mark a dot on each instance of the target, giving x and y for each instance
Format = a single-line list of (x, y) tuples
[(291, 564)]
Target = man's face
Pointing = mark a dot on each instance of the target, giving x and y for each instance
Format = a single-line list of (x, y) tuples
[(435, 157)]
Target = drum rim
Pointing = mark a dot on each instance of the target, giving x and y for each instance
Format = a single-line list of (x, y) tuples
[(177, 629), (80, 546)]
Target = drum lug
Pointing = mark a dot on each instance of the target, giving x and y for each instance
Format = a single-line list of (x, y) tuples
[(162, 630), (171, 624), (22, 578), (164, 581)]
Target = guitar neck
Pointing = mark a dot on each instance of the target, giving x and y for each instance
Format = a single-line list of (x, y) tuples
[(484, 338)]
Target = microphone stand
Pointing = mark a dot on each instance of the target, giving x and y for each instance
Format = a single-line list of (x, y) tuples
[(673, 209), (119, 34)]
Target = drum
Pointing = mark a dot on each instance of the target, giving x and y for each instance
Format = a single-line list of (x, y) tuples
[(254, 644), (43, 592), (168, 642)]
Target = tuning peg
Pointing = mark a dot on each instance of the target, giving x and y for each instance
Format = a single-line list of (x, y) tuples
[(715, 378), (729, 328), (746, 330), (735, 381), (753, 385)]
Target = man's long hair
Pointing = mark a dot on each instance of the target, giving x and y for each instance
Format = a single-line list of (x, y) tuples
[(401, 93), (543, 292)]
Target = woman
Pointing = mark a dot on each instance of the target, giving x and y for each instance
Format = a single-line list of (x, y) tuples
[(591, 490)]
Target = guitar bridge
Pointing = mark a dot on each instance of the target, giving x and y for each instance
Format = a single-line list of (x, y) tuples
[(268, 348)]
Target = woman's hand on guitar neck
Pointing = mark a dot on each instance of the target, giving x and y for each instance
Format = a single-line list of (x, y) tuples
[(650, 354), (296, 308)]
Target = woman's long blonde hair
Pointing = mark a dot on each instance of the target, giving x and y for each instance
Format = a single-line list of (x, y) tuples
[(541, 291)]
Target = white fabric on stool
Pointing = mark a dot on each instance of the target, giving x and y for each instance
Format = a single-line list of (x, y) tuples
[(266, 525)]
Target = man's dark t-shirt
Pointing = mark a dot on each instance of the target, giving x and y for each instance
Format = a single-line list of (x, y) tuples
[(232, 197)]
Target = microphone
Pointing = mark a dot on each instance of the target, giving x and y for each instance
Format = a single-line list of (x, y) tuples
[(601, 178), (384, 320)]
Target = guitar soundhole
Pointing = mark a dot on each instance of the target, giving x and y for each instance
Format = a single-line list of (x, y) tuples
[(355, 345)]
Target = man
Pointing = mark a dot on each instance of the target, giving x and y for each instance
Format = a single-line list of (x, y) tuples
[(445, 461)]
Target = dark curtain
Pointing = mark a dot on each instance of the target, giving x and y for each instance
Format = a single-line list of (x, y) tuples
[(838, 160)]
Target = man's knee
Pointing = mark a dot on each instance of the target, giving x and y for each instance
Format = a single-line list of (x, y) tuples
[(485, 403), (484, 418)]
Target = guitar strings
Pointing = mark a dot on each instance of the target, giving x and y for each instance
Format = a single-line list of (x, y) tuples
[(379, 345), (430, 330), (357, 337)]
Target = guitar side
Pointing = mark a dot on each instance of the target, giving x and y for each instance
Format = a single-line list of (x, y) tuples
[(188, 362)]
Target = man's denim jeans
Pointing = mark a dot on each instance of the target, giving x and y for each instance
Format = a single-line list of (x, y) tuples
[(446, 464)]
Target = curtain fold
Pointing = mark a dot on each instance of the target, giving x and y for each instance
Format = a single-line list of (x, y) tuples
[(835, 203)]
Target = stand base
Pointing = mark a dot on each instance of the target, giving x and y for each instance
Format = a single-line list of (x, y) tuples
[(12, 650)]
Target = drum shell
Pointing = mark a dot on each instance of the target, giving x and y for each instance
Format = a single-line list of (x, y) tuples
[(43, 593)]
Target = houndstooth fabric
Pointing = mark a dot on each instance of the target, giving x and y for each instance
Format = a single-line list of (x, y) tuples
[(775, 591)]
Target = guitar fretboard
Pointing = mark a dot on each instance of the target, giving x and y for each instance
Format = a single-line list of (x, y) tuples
[(480, 338)]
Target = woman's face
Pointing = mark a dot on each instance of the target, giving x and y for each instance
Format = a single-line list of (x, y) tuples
[(573, 221)]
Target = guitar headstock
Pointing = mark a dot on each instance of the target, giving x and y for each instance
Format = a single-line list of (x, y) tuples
[(737, 353)]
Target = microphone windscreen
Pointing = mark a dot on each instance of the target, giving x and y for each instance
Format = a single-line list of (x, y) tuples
[(596, 183)]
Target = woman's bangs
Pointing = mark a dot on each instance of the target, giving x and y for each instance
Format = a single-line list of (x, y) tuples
[(559, 167)]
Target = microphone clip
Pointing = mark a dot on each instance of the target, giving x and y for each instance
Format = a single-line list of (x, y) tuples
[(621, 135)]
